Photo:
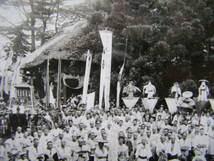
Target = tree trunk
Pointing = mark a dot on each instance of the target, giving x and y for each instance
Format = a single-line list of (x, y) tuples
[(33, 41), (57, 17), (44, 22), (32, 26)]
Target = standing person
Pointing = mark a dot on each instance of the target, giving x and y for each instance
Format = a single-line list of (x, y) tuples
[(50, 152), (174, 151), (12, 146), (2, 151), (34, 152), (64, 152), (122, 153), (101, 151), (162, 148), (203, 91), (81, 153), (149, 90), (143, 152), (210, 152), (176, 90)]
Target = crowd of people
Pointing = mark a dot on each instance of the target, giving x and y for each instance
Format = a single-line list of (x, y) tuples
[(120, 134)]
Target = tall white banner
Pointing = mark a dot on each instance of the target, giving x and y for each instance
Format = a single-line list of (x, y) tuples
[(90, 100), (119, 85), (87, 77), (105, 78)]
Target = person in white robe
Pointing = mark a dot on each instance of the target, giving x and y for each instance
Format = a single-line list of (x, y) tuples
[(101, 151), (149, 90), (130, 89), (64, 151), (34, 152), (203, 92), (176, 90), (143, 152), (210, 150), (122, 149), (174, 150)]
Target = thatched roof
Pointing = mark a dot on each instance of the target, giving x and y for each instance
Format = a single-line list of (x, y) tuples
[(53, 48)]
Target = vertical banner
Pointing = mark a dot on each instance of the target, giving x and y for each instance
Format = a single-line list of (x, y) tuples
[(87, 77), (119, 85), (102, 81), (105, 78), (90, 101), (59, 84), (47, 84)]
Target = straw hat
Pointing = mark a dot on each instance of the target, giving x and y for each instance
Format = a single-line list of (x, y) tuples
[(187, 94)]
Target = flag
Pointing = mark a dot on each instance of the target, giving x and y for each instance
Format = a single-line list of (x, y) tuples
[(59, 84), (87, 76), (119, 85), (105, 78)]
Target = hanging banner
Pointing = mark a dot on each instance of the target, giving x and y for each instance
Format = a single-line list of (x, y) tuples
[(102, 81), (105, 78), (90, 101), (212, 103), (130, 102), (119, 84), (172, 105), (51, 97), (150, 104), (87, 76)]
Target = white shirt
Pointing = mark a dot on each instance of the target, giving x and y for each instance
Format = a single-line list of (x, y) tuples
[(101, 153), (143, 151)]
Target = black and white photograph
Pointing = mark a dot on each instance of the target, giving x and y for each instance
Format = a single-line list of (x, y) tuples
[(106, 80)]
